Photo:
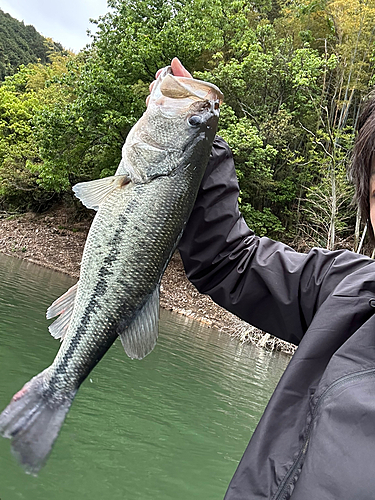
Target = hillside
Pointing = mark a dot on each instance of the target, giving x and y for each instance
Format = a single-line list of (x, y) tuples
[(21, 44)]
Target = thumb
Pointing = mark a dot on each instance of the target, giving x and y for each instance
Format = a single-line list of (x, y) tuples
[(178, 69)]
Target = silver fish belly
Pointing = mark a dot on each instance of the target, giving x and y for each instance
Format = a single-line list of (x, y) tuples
[(141, 213)]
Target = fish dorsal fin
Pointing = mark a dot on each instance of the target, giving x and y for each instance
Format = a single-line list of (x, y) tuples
[(93, 193), (140, 337), (62, 307)]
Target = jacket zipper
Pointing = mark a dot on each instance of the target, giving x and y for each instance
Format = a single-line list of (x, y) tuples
[(282, 491)]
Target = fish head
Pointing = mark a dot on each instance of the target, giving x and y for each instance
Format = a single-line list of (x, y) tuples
[(180, 121), (189, 104)]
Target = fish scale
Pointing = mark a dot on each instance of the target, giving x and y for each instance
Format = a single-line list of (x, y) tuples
[(115, 303), (141, 213)]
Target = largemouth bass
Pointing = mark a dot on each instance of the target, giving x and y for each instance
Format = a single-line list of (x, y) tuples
[(141, 213)]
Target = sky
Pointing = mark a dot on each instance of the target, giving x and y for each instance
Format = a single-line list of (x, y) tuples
[(66, 21)]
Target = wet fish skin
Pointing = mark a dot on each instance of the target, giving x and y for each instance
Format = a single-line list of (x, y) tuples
[(141, 214)]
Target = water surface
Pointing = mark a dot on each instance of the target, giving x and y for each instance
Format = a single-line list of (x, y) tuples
[(172, 426)]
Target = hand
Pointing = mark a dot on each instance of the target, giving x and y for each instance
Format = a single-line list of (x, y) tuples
[(177, 70)]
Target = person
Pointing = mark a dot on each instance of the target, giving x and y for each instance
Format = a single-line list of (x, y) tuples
[(316, 438)]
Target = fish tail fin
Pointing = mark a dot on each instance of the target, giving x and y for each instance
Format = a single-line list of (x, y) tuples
[(33, 422)]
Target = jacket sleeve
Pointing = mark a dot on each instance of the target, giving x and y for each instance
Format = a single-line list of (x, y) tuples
[(264, 282)]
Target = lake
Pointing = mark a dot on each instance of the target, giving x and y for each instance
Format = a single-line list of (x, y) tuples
[(172, 426)]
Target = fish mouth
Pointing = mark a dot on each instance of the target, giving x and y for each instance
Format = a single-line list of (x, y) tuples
[(177, 95), (179, 87)]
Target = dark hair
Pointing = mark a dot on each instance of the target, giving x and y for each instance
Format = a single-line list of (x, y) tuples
[(362, 159)]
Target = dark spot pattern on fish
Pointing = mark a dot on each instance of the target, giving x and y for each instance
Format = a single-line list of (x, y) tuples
[(124, 265), (100, 290), (92, 307), (104, 272)]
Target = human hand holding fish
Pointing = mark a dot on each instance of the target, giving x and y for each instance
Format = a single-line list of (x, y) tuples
[(141, 213)]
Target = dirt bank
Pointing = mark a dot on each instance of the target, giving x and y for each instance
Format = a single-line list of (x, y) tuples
[(54, 240)]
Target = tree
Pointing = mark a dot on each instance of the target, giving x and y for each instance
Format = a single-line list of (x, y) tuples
[(22, 97), (20, 44), (293, 76)]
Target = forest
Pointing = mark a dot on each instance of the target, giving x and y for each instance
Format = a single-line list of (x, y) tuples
[(293, 73), (20, 44)]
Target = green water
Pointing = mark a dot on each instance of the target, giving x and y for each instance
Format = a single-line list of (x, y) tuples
[(172, 426)]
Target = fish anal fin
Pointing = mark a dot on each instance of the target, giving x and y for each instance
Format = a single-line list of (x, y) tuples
[(93, 193), (139, 338), (63, 308)]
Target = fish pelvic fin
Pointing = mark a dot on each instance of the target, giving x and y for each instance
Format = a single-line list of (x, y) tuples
[(139, 338), (93, 193), (62, 307), (33, 422)]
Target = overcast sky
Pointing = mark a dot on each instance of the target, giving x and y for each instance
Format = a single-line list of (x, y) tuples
[(66, 21)]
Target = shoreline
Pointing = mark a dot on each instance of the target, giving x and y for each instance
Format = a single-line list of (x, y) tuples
[(52, 240)]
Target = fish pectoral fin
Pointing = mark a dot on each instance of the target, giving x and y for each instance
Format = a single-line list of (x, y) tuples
[(93, 193), (62, 307), (139, 338)]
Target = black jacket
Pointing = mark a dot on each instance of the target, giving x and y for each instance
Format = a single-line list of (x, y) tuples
[(316, 439)]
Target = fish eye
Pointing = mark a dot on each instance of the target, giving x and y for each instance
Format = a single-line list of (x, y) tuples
[(194, 121)]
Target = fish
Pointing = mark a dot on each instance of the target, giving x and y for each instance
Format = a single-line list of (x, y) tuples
[(141, 214)]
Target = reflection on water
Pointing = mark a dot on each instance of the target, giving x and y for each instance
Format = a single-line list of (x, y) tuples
[(172, 426)]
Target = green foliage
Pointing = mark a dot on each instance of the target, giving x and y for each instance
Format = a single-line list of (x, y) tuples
[(254, 161), (293, 76), (263, 223), (22, 97)]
